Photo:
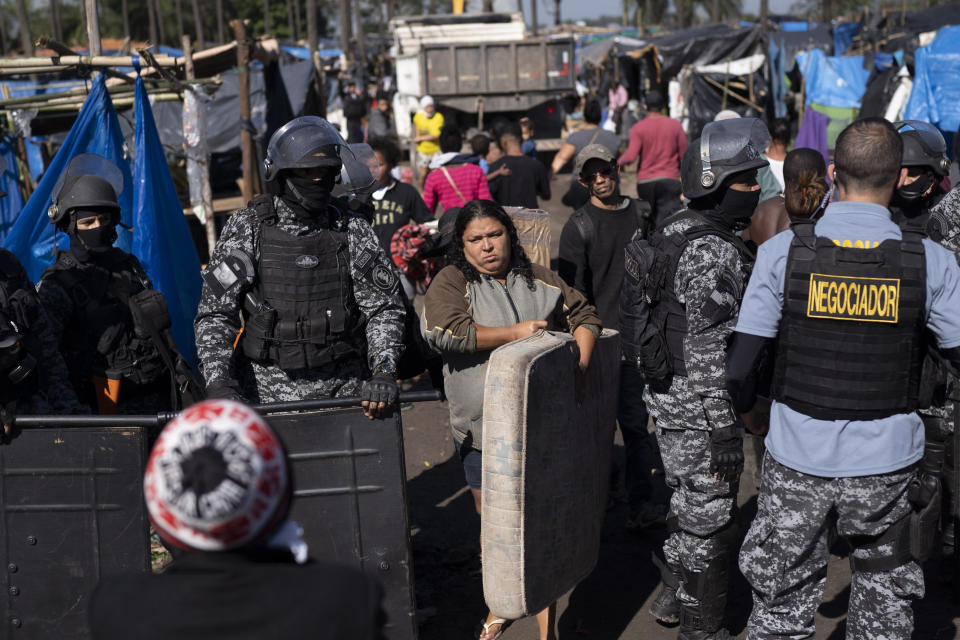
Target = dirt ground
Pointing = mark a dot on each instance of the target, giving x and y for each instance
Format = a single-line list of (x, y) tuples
[(612, 601)]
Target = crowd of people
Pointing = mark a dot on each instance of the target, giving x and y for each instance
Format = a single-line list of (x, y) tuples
[(812, 301)]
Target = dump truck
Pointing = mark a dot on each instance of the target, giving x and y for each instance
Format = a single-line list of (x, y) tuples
[(481, 66)]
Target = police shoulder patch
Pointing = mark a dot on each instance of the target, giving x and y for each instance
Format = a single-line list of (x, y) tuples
[(383, 278), (365, 260)]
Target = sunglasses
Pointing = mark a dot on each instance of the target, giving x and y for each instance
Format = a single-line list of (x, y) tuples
[(610, 171)]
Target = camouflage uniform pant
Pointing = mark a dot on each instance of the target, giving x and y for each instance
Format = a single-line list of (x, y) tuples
[(785, 554), (702, 505)]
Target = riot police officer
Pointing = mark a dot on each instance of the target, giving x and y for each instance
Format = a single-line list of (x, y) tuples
[(111, 324), (33, 377), (848, 299), (317, 297), (703, 266), (916, 203)]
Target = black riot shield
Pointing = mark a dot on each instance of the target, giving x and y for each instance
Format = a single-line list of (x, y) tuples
[(71, 500), (350, 496)]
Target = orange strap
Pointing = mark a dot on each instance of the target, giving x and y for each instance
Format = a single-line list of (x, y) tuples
[(107, 391)]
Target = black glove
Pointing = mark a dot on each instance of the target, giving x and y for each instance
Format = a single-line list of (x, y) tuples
[(926, 485), (382, 387), (224, 390), (726, 452)]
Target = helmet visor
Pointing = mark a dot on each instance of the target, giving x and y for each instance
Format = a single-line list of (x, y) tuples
[(360, 170), (730, 138), (86, 164)]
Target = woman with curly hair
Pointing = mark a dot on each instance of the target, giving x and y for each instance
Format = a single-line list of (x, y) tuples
[(488, 295)]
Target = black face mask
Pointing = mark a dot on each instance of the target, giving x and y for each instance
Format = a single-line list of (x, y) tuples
[(87, 243), (911, 195), (311, 195), (737, 207)]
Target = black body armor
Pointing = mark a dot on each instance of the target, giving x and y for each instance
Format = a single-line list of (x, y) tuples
[(301, 314), (653, 322), (102, 339), (851, 339)]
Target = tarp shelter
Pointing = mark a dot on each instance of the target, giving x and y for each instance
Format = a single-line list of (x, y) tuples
[(936, 84), (161, 238), (705, 45), (96, 130), (832, 81), (737, 85)]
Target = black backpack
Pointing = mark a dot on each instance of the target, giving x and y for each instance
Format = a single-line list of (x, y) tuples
[(651, 317)]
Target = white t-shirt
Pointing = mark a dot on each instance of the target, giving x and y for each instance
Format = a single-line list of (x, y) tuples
[(776, 168)]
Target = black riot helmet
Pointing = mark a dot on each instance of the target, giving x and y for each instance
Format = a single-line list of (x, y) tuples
[(89, 183), (303, 143), (923, 146), (724, 148)]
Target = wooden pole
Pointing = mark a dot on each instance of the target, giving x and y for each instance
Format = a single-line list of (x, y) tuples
[(198, 23), (206, 194), (556, 13), (152, 18), (624, 18), (93, 27), (298, 28), (315, 56), (178, 9), (533, 17), (361, 40), (125, 11), (345, 29), (73, 61), (221, 39), (392, 9), (246, 136), (3, 34), (266, 16), (290, 25), (158, 7), (26, 40), (55, 20)]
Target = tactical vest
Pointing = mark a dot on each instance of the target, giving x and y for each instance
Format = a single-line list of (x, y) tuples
[(669, 314), (306, 316), (850, 343), (101, 338)]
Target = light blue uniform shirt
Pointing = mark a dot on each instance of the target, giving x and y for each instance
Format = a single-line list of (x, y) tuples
[(847, 448)]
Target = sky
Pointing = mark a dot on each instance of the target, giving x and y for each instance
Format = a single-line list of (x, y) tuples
[(576, 9)]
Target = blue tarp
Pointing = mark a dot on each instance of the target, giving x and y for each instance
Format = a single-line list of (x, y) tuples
[(833, 81), (936, 82), (161, 238), (96, 130), (12, 203), (843, 34), (304, 54)]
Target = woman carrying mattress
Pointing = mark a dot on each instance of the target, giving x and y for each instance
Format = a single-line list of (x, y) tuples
[(490, 294)]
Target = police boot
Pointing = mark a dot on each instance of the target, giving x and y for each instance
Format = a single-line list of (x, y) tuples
[(704, 620), (666, 607)]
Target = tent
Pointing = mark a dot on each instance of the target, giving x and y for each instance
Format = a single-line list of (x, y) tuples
[(936, 87)]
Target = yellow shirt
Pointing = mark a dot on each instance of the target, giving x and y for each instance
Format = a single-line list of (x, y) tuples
[(428, 126)]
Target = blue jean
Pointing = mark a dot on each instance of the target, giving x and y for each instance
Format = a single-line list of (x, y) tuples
[(632, 417)]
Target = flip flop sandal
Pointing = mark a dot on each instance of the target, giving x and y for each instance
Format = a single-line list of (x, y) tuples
[(486, 628)]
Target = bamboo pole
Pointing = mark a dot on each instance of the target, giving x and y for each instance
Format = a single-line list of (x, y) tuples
[(93, 27), (160, 26), (206, 195), (178, 9), (266, 16), (152, 17), (345, 29), (73, 61), (3, 34), (246, 136)]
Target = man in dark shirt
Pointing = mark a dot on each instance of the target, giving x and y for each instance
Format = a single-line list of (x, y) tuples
[(396, 203), (354, 110), (592, 247), (527, 178)]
